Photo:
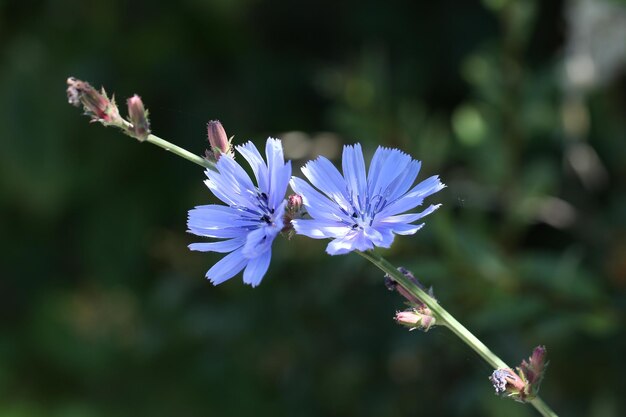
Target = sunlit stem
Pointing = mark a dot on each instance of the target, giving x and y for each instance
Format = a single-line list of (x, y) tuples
[(183, 153), (444, 318), (175, 149)]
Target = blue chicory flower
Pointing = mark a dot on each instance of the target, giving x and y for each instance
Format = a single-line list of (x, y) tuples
[(358, 210), (252, 218)]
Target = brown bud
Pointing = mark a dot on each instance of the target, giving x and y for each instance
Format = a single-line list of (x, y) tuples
[(96, 104)]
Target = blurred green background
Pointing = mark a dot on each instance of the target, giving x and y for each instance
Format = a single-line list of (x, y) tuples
[(519, 105)]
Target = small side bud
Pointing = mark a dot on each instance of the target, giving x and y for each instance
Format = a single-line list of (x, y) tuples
[(95, 104), (420, 318), (218, 141), (294, 210), (138, 116)]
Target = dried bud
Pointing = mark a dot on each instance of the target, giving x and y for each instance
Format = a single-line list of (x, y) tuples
[(138, 116), (416, 318), (96, 104), (524, 385), (505, 381), (219, 142), (392, 285), (535, 367)]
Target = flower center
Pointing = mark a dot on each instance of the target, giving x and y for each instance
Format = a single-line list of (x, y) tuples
[(267, 213)]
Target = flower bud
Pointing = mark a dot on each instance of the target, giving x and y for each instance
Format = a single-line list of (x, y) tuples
[(138, 116), (294, 210), (95, 104), (219, 142), (416, 318), (294, 202)]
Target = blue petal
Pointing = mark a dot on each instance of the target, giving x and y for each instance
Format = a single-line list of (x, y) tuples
[(320, 229), (355, 240), (400, 228), (229, 266), (219, 187), (227, 189), (354, 173), (413, 198), (383, 239), (211, 218), (223, 246), (279, 181), (237, 182), (401, 184), (259, 241), (276, 167), (406, 229), (409, 218), (252, 155), (317, 205), (373, 235), (256, 269), (340, 246), (387, 164), (218, 233), (326, 178)]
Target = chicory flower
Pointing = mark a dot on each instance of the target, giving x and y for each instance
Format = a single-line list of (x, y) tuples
[(252, 217), (360, 211)]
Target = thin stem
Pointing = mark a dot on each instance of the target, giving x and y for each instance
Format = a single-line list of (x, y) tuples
[(183, 153), (542, 407), (443, 317), (126, 126)]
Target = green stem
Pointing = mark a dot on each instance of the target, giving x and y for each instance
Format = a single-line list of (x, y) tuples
[(183, 153), (443, 317)]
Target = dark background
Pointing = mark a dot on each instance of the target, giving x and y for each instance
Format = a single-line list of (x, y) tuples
[(520, 106)]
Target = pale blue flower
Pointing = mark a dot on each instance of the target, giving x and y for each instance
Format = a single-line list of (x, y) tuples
[(358, 210), (252, 218)]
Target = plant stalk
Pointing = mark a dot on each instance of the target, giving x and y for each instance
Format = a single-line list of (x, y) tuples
[(177, 150)]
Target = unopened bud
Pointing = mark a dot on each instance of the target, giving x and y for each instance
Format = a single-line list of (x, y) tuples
[(416, 318), (95, 104), (294, 210), (294, 202), (218, 140), (138, 116)]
